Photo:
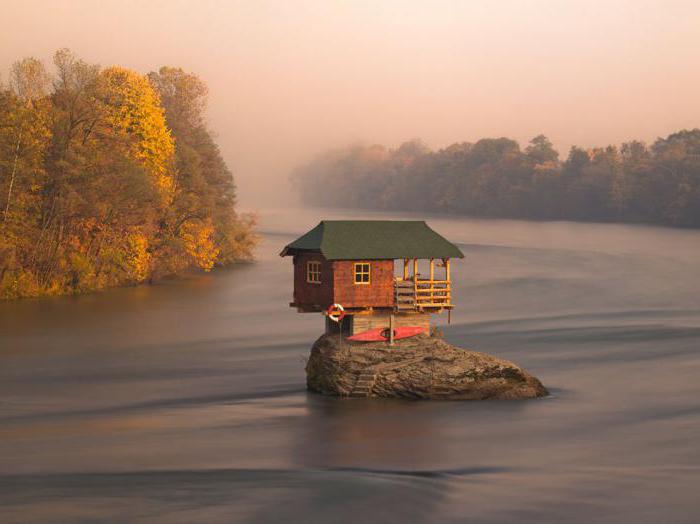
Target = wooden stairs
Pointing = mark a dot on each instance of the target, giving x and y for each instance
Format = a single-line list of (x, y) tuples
[(404, 295), (364, 383)]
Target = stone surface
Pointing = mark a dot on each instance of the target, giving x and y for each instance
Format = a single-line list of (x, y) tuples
[(420, 367)]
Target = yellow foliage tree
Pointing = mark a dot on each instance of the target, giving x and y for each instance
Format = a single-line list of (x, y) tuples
[(138, 257), (94, 192), (133, 108), (199, 243)]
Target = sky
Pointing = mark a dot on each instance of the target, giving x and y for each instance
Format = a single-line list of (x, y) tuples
[(290, 79)]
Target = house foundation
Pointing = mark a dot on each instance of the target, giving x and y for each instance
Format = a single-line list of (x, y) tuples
[(359, 323)]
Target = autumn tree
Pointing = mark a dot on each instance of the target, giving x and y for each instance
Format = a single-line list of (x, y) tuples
[(96, 192), (132, 109), (24, 138), (201, 222)]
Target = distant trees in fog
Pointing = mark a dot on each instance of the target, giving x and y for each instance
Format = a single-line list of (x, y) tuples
[(109, 177), (494, 177)]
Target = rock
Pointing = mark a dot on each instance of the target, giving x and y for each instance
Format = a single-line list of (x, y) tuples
[(420, 367)]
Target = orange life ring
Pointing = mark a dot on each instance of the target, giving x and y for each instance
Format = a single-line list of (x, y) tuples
[(335, 312)]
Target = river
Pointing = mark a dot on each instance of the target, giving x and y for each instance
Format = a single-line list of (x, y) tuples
[(185, 401)]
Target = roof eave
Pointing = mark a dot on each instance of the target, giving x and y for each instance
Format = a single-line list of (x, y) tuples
[(291, 251)]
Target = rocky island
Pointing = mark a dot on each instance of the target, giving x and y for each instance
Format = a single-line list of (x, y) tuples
[(420, 367), (371, 277)]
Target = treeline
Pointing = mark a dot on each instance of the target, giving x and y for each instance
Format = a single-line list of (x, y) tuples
[(658, 184), (109, 177)]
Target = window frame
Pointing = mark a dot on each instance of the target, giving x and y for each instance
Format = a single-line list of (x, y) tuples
[(313, 272), (355, 273)]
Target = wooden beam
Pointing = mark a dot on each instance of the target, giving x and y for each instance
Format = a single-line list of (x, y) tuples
[(447, 269), (432, 269), (391, 330), (405, 269), (415, 278)]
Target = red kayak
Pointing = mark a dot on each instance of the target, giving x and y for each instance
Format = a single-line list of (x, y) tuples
[(382, 334)]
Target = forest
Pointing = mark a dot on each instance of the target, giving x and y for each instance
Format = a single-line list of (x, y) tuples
[(494, 177), (109, 177)]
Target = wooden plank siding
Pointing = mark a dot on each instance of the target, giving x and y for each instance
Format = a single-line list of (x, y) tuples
[(378, 293), (362, 323), (307, 295), (338, 284), (382, 292)]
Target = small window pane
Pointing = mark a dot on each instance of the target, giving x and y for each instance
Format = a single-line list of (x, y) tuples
[(313, 272), (362, 273)]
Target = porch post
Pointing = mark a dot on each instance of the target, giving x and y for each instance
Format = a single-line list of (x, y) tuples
[(432, 277), (448, 287), (415, 281)]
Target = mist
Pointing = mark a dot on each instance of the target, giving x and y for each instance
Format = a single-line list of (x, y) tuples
[(157, 354), (288, 80)]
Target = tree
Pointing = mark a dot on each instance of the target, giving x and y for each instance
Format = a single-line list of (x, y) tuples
[(28, 81), (183, 95), (94, 190), (493, 177), (133, 109), (24, 139), (676, 161), (541, 150), (200, 222)]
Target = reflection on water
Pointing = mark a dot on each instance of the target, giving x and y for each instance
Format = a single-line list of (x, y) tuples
[(185, 401)]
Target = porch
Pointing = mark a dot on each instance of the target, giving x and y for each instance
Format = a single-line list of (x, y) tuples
[(415, 292)]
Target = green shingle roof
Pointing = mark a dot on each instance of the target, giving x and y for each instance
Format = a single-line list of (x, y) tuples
[(373, 239)]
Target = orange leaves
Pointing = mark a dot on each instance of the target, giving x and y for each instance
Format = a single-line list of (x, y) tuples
[(96, 192), (133, 109), (199, 243), (138, 257)]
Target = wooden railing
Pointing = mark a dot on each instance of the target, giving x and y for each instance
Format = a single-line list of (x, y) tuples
[(422, 293)]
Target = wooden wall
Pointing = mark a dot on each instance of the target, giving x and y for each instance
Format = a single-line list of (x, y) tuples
[(338, 284), (354, 324), (362, 323), (306, 294), (378, 293)]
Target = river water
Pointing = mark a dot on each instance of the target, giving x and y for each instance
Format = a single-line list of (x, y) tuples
[(185, 401)]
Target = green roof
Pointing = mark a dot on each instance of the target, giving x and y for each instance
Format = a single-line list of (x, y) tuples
[(373, 239)]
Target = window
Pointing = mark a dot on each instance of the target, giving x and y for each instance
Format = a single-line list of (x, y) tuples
[(362, 273), (313, 272)]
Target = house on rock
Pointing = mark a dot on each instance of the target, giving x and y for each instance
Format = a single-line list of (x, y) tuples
[(371, 268)]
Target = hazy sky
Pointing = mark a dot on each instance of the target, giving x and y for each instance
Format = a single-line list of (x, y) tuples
[(290, 78)]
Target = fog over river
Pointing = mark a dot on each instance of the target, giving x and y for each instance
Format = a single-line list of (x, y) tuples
[(185, 401)]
